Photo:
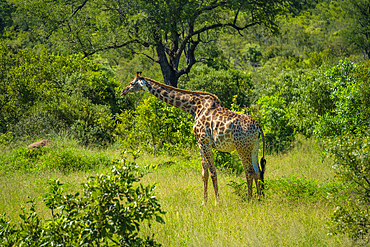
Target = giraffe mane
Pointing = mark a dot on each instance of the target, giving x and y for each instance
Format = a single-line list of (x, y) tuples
[(179, 89)]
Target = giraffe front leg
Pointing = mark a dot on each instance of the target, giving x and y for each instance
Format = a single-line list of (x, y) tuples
[(250, 185), (205, 179), (213, 172), (208, 164)]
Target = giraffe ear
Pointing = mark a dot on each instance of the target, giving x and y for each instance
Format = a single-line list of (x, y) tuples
[(138, 74)]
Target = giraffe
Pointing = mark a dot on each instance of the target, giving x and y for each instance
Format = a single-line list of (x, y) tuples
[(214, 127)]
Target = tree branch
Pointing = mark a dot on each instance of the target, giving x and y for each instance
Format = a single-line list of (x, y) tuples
[(78, 8), (149, 57), (191, 59), (115, 46)]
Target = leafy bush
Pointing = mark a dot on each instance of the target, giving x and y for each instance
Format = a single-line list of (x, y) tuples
[(41, 92), (53, 157), (38, 123), (156, 127), (228, 161), (252, 54), (351, 155), (302, 94), (108, 211), (223, 83), (344, 132), (292, 189), (67, 160), (350, 94), (274, 117), (5, 138)]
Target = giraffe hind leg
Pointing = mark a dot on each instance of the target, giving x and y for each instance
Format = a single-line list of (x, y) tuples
[(249, 169), (258, 176)]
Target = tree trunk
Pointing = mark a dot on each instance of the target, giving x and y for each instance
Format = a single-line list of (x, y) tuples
[(170, 75)]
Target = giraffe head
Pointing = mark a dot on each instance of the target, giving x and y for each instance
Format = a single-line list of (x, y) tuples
[(136, 84)]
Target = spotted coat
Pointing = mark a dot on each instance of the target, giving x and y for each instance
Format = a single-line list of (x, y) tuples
[(214, 127)]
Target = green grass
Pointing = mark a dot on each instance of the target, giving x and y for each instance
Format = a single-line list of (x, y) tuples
[(293, 213)]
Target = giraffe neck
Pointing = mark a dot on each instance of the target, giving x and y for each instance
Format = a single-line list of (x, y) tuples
[(178, 98)]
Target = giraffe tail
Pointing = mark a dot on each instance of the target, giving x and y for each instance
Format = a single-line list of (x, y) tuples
[(263, 161)]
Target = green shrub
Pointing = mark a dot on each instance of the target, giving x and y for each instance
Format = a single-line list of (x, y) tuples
[(5, 138), (344, 132), (155, 127), (36, 124), (274, 117), (228, 161), (223, 83), (301, 96), (351, 155), (252, 54), (108, 211), (350, 94), (42, 92), (53, 157), (292, 189), (68, 160)]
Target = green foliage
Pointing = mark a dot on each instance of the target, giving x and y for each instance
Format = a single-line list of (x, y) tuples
[(107, 212), (135, 24), (351, 161), (344, 132), (292, 189), (357, 31), (274, 118), (252, 54), (156, 127), (43, 92), (53, 157), (350, 94), (228, 162), (223, 83), (294, 100), (5, 139), (5, 15)]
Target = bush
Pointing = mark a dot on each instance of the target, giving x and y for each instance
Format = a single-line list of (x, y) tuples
[(350, 94), (228, 161), (53, 157), (351, 155), (41, 92), (292, 189), (344, 132), (302, 94), (108, 211), (223, 83), (274, 117), (39, 123), (156, 127)]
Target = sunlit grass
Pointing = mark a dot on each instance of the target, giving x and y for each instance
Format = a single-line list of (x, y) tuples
[(273, 221)]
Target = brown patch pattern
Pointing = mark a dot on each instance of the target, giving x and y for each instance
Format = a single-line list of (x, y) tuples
[(214, 127)]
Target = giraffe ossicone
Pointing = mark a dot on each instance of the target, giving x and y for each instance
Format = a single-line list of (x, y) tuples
[(214, 127)]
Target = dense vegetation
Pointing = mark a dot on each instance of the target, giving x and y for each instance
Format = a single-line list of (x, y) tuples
[(301, 68)]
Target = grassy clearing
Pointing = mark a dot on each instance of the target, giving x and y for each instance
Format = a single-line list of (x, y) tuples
[(277, 220)]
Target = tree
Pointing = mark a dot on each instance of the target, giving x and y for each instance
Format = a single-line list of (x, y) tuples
[(174, 30), (5, 15), (358, 31)]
